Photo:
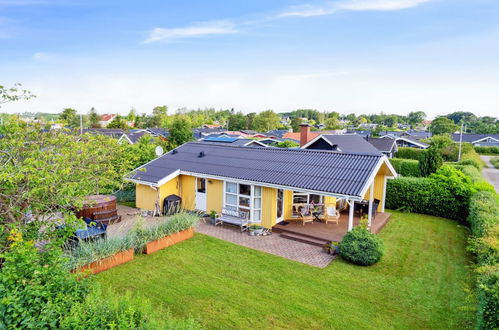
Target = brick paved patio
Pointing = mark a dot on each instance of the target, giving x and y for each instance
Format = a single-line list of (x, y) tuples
[(273, 244)]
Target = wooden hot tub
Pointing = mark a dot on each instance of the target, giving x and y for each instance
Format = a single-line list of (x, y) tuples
[(101, 208)]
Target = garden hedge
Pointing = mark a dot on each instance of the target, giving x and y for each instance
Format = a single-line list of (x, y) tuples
[(487, 150), (406, 167), (483, 220), (408, 153)]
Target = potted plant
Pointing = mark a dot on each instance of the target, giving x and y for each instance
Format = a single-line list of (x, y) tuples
[(255, 230), (332, 247), (213, 217)]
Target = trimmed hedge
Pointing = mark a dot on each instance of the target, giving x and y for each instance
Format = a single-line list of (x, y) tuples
[(406, 167), (361, 247), (487, 150), (483, 220), (445, 194), (408, 153)]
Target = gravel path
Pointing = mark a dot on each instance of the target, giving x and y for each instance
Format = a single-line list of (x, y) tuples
[(490, 173)]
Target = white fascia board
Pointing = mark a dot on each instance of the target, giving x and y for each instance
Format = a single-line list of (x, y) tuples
[(316, 139), (264, 184), (485, 138)]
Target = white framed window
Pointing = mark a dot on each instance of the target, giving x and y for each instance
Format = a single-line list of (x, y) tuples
[(305, 198), (243, 197)]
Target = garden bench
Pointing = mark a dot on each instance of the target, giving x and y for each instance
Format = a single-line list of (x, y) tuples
[(94, 229), (233, 217)]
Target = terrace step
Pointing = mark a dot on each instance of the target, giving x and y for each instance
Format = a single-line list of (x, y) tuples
[(304, 239), (110, 220), (282, 229)]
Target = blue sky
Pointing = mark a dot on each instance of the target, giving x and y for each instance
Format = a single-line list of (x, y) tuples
[(362, 56)]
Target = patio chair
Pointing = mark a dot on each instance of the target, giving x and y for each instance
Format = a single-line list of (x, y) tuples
[(330, 214), (305, 215)]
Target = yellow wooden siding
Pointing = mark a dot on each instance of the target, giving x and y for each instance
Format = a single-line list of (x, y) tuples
[(145, 197), (214, 195), (288, 204), (329, 200), (188, 191), (269, 207), (379, 182)]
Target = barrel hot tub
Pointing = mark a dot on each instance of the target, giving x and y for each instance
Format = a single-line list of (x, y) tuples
[(100, 208)]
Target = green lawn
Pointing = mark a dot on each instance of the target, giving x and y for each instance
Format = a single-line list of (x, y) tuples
[(421, 282)]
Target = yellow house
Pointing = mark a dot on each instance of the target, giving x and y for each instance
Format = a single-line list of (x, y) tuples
[(263, 182)]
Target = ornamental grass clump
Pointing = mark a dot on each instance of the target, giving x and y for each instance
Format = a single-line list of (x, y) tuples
[(86, 252), (172, 224), (361, 247)]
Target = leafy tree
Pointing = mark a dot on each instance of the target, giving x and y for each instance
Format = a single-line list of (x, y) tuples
[(237, 122), (332, 123), (287, 144), (93, 118), (443, 125), (14, 93), (118, 122), (141, 121), (391, 120), (440, 142), (180, 132), (416, 117), (351, 117), (266, 121), (430, 161), (295, 124), (132, 114), (159, 116), (68, 115), (462, 117), (250, 120)]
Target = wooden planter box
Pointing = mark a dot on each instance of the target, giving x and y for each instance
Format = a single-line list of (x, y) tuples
[(168, 241), (107, 263)]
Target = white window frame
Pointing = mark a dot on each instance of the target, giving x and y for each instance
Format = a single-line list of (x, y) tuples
[(251, 197), (308, 199)]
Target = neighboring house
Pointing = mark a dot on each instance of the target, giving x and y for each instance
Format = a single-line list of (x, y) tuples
[(202, 132), (105, 119), (132, 137), (115, 133), (387, 146), (264, 182), (215, 125), (479, 140), (277, 133), (407, 142), (341, 143), (233, 141), (158, 132)]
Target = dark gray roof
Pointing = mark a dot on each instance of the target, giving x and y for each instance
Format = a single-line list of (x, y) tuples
[(277, 133), (158, 131), (135, 136), (330, 172), (351, 143), (383, 145), (112, 132), (473, 137)]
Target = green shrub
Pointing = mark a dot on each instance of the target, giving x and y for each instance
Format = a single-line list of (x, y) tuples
[(487, 150), (472, 162), (495, 162), (483, 213), (445, 194), (36, 289), (102, 311), (86, 252), (361, 247), (406, 167), (408, 153), (430, 161), (488, 297), (172, 224)]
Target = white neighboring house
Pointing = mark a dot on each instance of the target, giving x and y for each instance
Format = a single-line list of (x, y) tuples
[(105, 119)]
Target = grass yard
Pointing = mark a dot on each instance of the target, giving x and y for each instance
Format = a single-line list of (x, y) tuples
[(421, 282)]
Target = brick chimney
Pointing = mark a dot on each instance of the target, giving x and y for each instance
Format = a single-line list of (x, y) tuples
[(304, 134)]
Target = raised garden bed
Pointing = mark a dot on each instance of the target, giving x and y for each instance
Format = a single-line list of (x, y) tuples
[(167, 241), (106, 263)]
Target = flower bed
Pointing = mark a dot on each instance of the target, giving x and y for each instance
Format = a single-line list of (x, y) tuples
[(106, 263), (167, 241)]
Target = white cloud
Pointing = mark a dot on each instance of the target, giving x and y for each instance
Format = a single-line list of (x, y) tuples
[(41, 56), (354, 5), (380, 4), (196, 30)]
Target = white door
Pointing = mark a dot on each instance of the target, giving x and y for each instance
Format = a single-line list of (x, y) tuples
[(280, 205), (201, 194)]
